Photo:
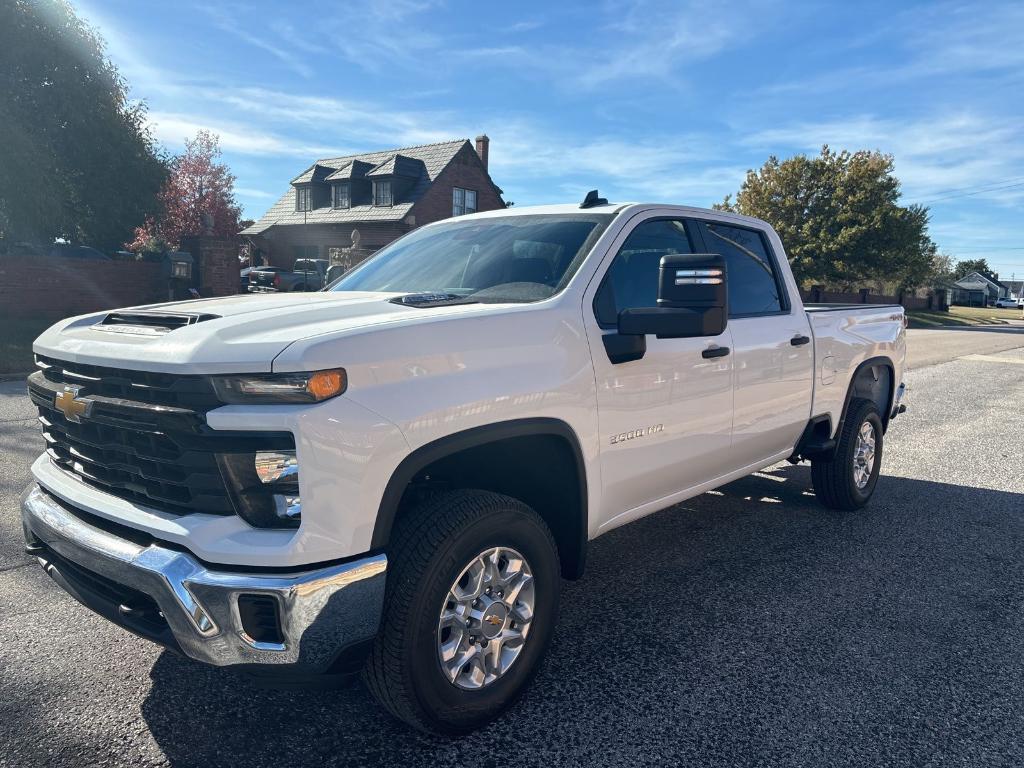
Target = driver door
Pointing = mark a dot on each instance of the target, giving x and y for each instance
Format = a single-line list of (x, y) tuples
[(665, 420)]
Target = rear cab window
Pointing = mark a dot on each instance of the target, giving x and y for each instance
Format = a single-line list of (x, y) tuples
[(754, 281)]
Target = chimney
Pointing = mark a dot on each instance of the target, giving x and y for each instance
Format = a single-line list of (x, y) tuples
[(482, 145)]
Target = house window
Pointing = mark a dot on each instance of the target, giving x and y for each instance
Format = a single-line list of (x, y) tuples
[(341, 196), (463, 201), (382, 193), (303, 199)]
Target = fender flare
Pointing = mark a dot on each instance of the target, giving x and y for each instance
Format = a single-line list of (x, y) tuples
[(885, 413), (476, 437)]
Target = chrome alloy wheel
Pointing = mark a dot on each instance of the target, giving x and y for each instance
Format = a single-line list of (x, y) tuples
[(864, 455), (485, 618)]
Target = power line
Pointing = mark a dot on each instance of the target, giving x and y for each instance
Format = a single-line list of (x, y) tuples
[(975, 186), (971, 194)]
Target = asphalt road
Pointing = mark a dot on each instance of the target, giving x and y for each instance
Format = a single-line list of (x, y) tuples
[(745, 627)]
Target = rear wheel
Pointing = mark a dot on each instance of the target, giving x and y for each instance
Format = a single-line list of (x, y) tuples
[(469, 609), (847, 479)]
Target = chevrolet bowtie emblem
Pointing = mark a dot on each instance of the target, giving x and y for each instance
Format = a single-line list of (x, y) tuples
[(67, 402), (492, 620)]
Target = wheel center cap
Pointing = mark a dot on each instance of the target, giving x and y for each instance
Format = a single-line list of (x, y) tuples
[(493, 620)]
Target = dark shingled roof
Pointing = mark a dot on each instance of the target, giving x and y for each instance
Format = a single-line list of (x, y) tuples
[(354, 170), (428, 160), (317, 173), (399, 165)]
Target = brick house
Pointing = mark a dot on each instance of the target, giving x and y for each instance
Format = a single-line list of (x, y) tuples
[(345, 208)]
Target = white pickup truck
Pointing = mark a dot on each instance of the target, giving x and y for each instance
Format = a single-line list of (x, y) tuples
[(394, 475)]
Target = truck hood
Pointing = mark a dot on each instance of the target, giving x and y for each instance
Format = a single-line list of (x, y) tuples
[(233, 334)]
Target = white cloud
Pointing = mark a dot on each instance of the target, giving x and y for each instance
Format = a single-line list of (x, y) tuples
[(645, 48), (257, 193), (537, 165), (933, 154), (172, 129), (924, 43), (325, 115)]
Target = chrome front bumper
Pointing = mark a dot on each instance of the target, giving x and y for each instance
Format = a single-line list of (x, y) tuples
[(321, 612)]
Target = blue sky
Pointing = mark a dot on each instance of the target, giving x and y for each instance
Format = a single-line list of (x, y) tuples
[(647, 101)]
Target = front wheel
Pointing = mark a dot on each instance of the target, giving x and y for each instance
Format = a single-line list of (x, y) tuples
[(469, 608), (847, 479)]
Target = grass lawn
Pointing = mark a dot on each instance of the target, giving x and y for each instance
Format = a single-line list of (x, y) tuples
[(962, 316), (16, 337)]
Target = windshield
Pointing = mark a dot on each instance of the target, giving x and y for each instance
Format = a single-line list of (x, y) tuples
[(501, 259)]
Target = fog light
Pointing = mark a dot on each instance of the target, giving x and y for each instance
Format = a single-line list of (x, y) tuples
[(264, 487), (277, 466)]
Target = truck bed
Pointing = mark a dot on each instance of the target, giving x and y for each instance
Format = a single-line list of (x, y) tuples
[(846, 336), (846, 307)]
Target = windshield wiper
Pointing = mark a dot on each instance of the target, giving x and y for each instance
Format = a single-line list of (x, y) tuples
[(432, 300)]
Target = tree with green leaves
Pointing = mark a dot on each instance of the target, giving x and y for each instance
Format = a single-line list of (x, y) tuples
[(839, 217), (964, 268), (76, 158)]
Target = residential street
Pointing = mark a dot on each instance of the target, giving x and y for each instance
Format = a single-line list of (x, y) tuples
[(748, 626)]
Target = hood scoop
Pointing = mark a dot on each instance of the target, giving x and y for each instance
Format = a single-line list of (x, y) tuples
[(149, 323), (423, 300)]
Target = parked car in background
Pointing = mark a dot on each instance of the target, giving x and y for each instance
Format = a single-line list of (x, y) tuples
[(253, 273), (1007, 303), (306, 275), (243, 279), (78, 252)]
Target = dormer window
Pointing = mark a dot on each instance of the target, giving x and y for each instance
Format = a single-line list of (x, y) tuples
[(303, 198), (463, 201), (382, 194), (342, 196)]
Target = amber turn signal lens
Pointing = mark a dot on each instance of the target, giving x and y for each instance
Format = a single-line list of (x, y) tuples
[(325, 384)]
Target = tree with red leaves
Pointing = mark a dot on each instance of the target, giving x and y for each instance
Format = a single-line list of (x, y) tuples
[(198, 198)]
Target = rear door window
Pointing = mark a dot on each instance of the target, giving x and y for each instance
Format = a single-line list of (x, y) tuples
[(755, 287)]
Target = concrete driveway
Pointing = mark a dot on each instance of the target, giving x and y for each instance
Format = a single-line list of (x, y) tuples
[(746, 627)]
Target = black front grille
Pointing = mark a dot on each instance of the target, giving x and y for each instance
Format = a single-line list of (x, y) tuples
[(145, 436)]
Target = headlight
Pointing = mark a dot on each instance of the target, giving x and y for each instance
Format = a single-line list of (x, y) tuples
[(263, 388), (264, 487)]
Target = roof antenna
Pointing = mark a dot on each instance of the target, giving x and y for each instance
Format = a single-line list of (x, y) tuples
[(592, 199)]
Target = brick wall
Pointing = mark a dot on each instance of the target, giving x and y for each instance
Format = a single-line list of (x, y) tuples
[(57, 287), (215, 264), (466, 171), (818, 295)]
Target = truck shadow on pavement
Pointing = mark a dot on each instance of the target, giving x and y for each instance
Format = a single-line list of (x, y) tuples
[(751, 625)]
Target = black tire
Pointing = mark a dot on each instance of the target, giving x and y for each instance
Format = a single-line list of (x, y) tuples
[(431, 545), (833, 477)]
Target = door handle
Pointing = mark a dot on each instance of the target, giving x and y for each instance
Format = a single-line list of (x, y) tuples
[(711, 352), (799, 341)]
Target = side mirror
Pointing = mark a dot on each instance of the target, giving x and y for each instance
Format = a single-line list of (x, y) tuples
[(692, 300)]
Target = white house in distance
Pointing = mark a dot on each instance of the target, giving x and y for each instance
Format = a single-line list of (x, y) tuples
[(978, 290)]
